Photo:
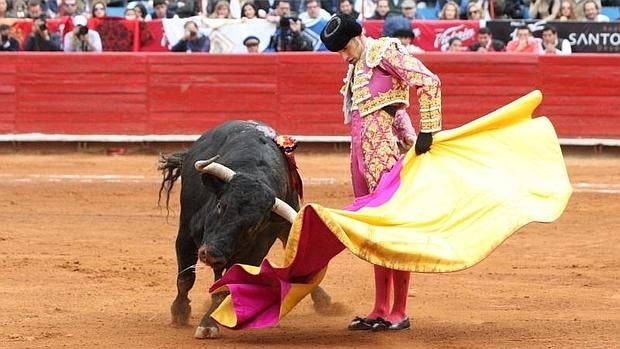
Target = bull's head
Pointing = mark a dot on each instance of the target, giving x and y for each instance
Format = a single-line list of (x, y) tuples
[(244, 205)]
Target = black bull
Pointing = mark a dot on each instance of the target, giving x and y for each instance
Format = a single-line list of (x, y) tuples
[(226, 207)]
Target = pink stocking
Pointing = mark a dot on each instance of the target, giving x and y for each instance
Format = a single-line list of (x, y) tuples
[(383, 289), (401, 293)]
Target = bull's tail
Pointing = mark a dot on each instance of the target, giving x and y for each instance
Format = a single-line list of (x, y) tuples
[(170, 167)]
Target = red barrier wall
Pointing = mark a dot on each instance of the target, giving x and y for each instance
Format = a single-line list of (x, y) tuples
[(297, 93)]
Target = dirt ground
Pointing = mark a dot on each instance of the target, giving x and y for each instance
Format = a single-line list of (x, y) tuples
[(87, 261)]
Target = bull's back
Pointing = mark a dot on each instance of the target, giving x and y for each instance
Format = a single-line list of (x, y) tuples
[(244, 147)]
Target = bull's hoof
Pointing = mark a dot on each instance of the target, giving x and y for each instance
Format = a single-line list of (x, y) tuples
[(180, 311), (207, 332), (320, 298)]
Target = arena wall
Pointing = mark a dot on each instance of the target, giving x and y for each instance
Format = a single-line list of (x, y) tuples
[(163, 96)]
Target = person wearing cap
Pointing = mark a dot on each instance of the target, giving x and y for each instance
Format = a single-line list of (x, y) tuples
[(396, 6), (376, 93), (251, 44), (409, 10), (81, 38)]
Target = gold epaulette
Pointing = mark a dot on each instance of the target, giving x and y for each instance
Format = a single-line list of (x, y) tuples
[(375, 49)]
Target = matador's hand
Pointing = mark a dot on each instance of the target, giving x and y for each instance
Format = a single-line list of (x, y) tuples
[(423, 143), (408, 141)]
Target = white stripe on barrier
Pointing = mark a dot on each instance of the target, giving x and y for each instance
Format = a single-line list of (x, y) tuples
[(42, 137), (579, 187)]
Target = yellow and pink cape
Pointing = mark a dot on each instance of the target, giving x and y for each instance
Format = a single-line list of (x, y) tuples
[(440, 212)]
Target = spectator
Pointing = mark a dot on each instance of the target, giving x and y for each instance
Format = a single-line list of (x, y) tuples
[(251, 44), (7, 42), (524, 43), (366, 8), (396, 7), (161, 10), (140, 11), (406, 37), (567, 11), (346, 7), (546, 10), (193, 40), (81, 39), (40, 39), (487, 8), (289, 35), (409, 10), (266, 6), (455, 44), (394, 23), (249, 11), (71, 8), (5, 11), (130, 14), (551, 44), (35, 9), (450, 11), (512, 9), (485, 43), (382, 11), (222, 10), (99, 9), (314, 13), (18, 8), (580, 8), (314, 20), (282, 8), (592, 12), (474, 12)]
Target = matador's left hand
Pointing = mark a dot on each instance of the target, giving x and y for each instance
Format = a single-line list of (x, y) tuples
[(423, 143), (408, 141)]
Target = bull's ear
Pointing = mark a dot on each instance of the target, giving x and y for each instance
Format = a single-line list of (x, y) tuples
[(214, 184)]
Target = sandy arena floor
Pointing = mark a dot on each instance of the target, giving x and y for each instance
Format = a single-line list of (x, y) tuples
[(87, 261)]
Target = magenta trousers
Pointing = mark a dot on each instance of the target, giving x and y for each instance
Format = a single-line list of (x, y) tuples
[(374, 149)]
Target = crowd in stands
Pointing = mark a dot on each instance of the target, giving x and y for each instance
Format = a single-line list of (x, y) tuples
[(298, 22)]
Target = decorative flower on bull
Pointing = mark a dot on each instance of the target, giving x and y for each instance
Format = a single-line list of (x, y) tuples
[(286, 143)]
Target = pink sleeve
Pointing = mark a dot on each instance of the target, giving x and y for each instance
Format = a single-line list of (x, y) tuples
[(428, 86), (402, 125)]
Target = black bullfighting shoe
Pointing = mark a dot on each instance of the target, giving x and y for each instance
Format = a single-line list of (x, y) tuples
[(361, 324), (402, 325), (381, 324)]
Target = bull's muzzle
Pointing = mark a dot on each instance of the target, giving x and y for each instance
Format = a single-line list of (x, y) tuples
[(211, 258)]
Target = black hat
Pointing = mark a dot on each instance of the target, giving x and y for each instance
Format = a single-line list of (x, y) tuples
[(339, 30), (251, 40)]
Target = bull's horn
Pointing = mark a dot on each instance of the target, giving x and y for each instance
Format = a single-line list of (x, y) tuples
[(284, 210), (213, 168)]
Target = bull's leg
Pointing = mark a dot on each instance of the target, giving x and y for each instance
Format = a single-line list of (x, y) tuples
[(187, 256), (208, 328)]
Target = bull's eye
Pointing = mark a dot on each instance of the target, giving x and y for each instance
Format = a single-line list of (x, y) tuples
[(220, 208)]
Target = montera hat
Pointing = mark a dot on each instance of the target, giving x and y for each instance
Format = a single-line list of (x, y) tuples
[(339, 30)]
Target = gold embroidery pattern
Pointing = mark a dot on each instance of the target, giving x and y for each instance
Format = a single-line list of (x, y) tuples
[(376, 49), (379, 148), (414, 73), (366, 103)]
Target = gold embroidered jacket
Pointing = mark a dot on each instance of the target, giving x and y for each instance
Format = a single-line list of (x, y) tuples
[(383, 77)]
